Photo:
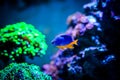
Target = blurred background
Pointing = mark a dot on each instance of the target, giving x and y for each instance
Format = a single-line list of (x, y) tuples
[(48, 16)]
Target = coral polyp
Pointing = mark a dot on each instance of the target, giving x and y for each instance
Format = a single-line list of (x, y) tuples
[(21, 39), (22, 71)]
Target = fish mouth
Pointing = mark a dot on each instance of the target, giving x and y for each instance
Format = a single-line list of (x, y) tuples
[(52, 42)]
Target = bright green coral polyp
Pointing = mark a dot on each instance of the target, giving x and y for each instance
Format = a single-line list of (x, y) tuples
[(23, 71), (21, 38)]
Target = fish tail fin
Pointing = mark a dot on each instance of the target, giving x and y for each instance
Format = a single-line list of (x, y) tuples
[(75, 42)]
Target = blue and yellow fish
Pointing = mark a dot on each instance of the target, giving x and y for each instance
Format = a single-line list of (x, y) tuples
[(64, 41)]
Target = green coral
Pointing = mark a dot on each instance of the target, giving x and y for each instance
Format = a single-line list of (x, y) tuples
[(21, 38), (23, 71)]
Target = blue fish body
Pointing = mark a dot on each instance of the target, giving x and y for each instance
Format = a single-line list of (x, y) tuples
[(62, 40)]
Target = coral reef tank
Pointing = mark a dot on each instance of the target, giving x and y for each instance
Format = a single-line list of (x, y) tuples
[(59, 40)]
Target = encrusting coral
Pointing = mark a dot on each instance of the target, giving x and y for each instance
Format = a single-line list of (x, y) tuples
[(22, 71)]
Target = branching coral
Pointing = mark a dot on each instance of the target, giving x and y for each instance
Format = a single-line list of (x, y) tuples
[(21, 38), (23, 71)]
